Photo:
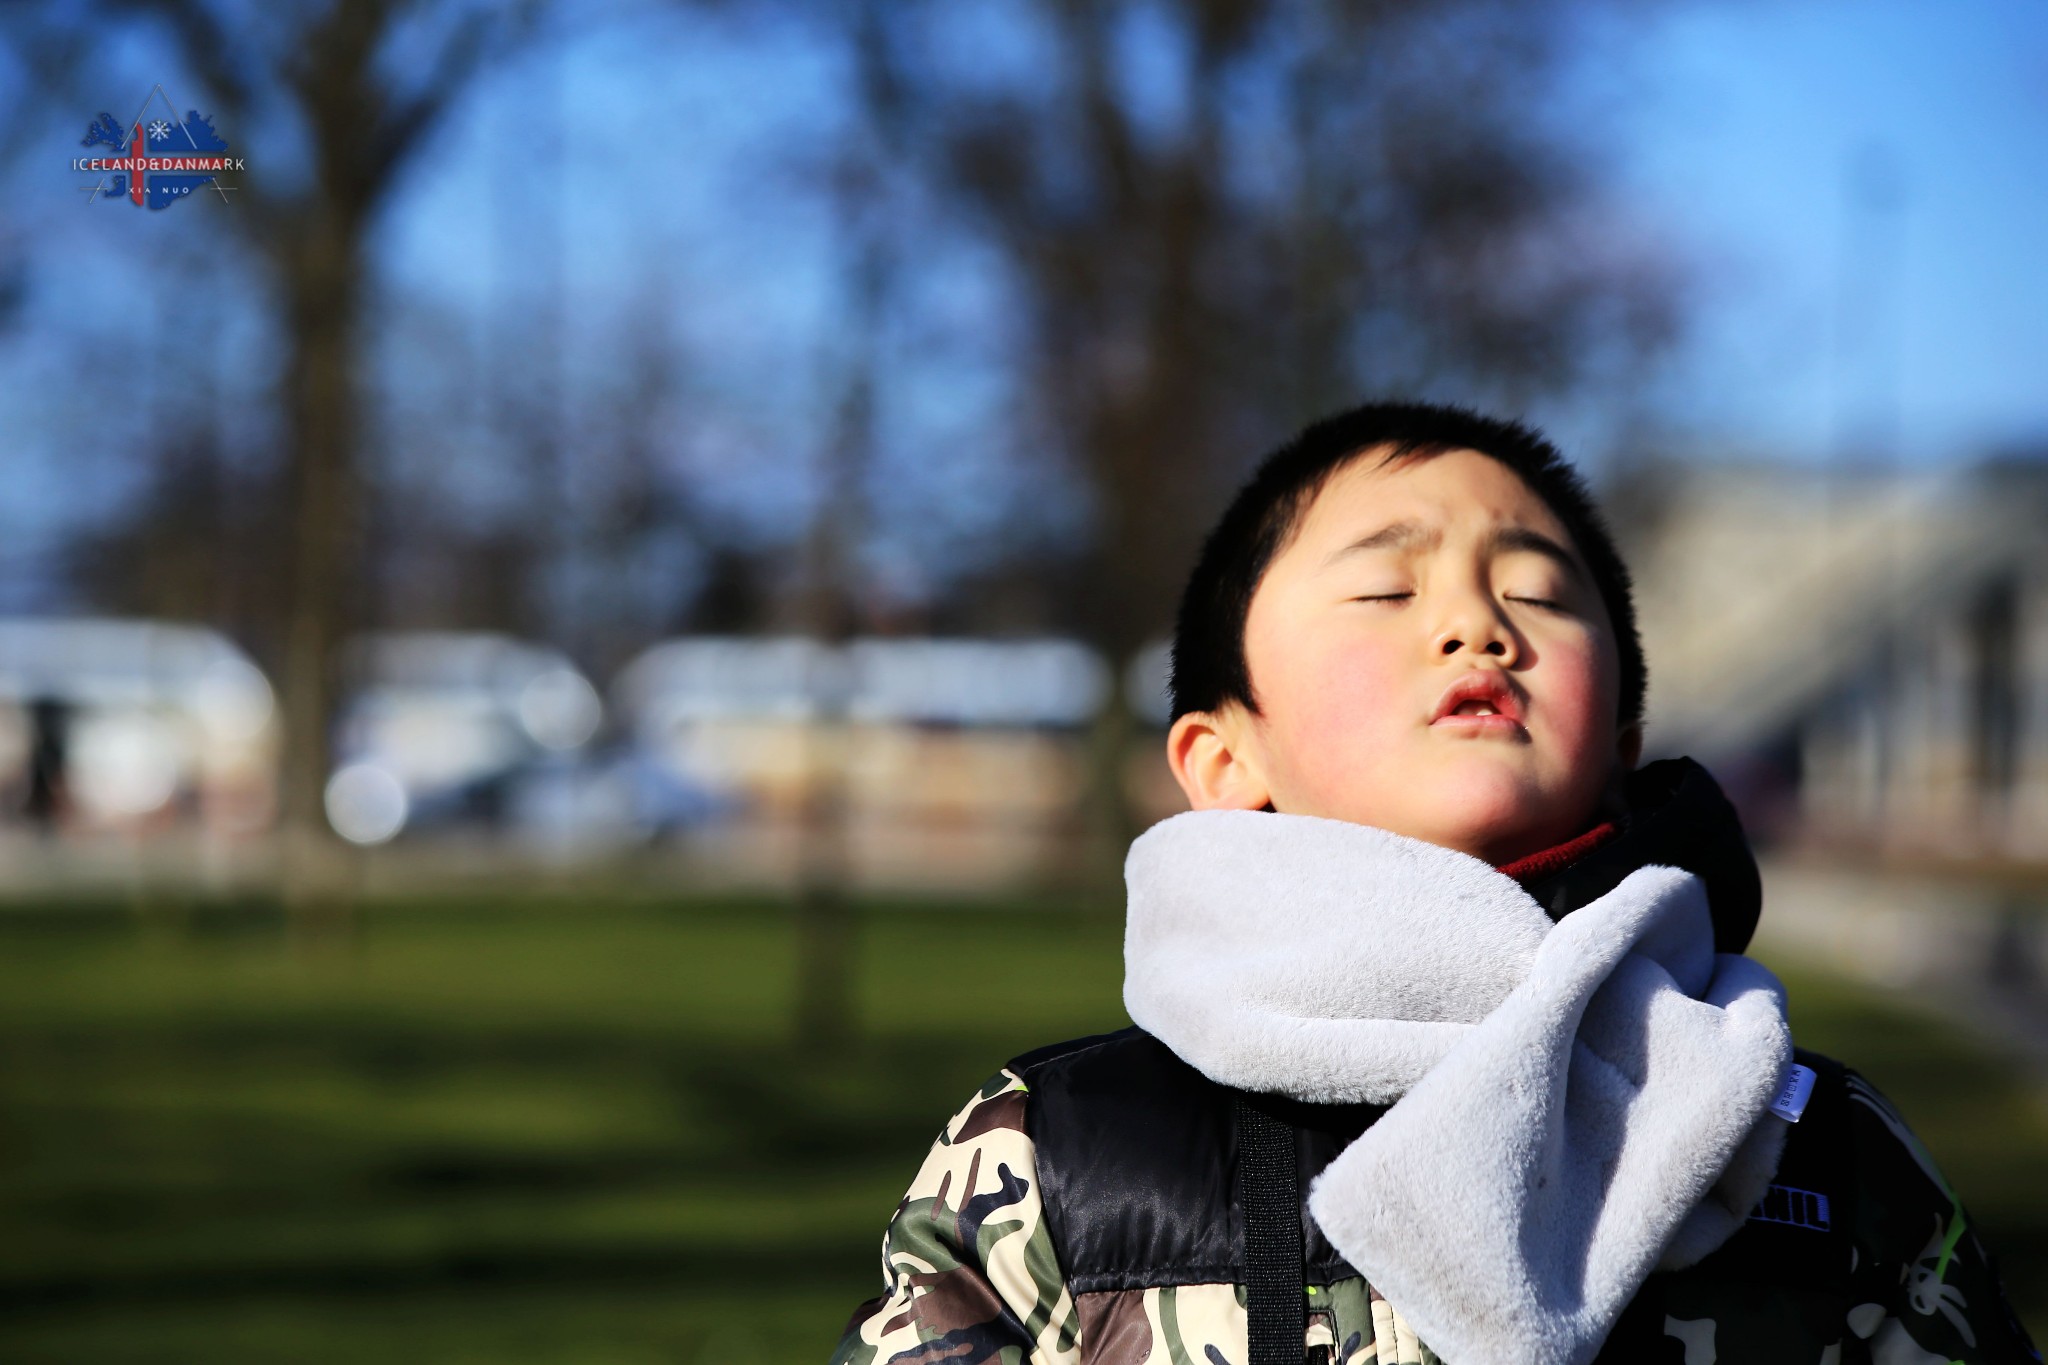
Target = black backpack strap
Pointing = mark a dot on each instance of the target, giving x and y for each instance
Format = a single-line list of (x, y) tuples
[(1270, 1194)]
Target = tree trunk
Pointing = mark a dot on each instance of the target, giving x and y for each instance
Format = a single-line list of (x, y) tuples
[(321, 286)]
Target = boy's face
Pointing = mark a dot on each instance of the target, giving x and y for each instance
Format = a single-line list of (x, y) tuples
[(1430, 655)]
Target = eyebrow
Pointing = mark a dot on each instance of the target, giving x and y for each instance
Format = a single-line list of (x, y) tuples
[(1521, 538), (1413, 535), (1399, 535)]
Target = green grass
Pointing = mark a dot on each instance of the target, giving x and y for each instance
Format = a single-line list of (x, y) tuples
[(570, 1132)]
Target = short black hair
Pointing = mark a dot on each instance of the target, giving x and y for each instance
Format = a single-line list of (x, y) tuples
[(1209, 666)]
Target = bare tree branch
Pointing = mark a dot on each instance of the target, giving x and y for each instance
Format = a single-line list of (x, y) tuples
[(483, 38)]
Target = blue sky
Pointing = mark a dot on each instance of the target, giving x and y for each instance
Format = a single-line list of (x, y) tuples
[(1742, 123)]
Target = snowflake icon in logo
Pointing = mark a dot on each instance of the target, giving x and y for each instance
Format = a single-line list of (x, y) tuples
[(159, 130)]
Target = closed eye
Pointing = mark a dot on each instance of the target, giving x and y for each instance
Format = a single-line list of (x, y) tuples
[(1385, 597), (1543, 602)]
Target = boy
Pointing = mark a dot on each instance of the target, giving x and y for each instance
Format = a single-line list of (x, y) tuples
[(1444, 1036)]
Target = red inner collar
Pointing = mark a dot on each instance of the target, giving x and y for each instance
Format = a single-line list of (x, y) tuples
[(1560, 856)]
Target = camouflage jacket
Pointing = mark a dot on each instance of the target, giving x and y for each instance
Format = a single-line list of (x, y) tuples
[(975, 1263)]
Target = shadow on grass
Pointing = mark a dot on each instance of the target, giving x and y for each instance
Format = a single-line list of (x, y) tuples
[(495, 1133)]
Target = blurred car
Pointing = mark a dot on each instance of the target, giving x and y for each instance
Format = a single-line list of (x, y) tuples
[(452, 728), (123, 724)]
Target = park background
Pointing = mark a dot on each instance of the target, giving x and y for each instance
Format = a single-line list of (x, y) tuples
[(579, 640)]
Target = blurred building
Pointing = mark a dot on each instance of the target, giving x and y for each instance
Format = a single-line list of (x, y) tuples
[(126, 725), (926, 730), (1864, 658)]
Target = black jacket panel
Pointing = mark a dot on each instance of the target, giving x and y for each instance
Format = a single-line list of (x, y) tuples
[(1137, 1161)]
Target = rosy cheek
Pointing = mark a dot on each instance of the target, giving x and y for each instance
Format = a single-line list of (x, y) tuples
[(1579, 698), (1342, 698)]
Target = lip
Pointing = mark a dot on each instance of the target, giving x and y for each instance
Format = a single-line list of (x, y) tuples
[(1491, 688)]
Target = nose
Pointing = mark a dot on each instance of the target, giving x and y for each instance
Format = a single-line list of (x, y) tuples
[(1475, 626)]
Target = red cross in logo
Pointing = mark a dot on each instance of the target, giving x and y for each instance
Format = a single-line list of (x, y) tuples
[(136, 190)]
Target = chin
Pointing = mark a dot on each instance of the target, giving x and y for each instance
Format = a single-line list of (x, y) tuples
[(1498, 816)]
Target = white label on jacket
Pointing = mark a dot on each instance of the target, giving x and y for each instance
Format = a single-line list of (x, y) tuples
[(1794, 1093)]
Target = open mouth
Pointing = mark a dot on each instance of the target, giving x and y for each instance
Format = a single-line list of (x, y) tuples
[(1480, 701)]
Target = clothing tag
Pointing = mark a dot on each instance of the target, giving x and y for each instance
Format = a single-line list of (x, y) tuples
[(1794, 1093)]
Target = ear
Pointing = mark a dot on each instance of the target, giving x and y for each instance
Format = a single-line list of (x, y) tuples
[(1628, 746), (1214, 757)]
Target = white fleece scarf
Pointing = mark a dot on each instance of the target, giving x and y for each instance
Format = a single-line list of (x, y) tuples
[(1574, 1104)]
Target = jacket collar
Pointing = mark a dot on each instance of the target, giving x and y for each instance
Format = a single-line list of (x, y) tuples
[(1677, 816)]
